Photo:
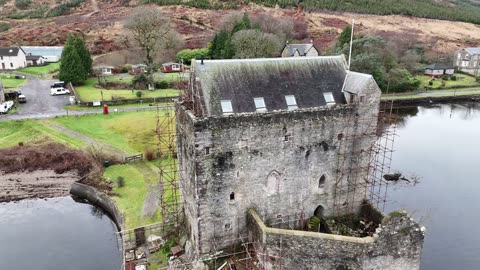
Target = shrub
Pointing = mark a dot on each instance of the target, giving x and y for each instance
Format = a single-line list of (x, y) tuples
[(453, 78), (22, 3), (161, 85), (4, 26), (149, 155), (140, 81), (445, 78), (139, 94), (20, 143), (443, 83), (125, 69), (120, 181), (430, 82)]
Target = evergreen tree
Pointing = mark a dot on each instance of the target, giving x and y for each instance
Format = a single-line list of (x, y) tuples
[(84, 53), (345, 36), (244, 24), (71, 66)]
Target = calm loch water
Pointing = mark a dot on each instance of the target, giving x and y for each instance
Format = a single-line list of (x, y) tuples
[(441, 146), (56, 234)]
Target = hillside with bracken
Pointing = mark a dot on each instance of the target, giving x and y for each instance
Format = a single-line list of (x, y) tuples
[(102, 23)]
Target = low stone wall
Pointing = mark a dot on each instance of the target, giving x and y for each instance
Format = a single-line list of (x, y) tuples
[(100, 200), (397, 245)]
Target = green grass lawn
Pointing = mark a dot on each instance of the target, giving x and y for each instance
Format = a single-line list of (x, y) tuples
[(9, 81), (88, 92), (462, 80), (132, 132), (132, 195), (40, 70), (32, 131)]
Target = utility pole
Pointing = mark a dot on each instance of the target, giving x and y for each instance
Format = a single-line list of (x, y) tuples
[(351, 45)]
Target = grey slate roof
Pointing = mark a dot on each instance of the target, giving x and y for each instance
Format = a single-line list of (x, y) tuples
[(9, 51), (33, 57), (439, 66), (473, 51), (307, 78), (301, 48)]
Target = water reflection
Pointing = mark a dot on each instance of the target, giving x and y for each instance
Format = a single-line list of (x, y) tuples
[(440, 145), (56, 234)]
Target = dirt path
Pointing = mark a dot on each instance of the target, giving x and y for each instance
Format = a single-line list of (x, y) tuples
[(152, 200), (90, 141), (37, 184)]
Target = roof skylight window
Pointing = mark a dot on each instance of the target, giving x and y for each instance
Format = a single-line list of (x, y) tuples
[(227, 107), (329, 98), (291, 102), (260, 104)]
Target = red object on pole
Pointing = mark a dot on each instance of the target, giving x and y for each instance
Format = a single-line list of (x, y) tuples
[(105, 109)]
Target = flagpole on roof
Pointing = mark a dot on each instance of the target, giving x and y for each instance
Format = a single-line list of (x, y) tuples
[(351, 44)]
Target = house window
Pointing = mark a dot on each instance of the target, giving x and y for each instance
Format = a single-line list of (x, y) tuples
[(291, 102), (207, 150), (260, 104), (329, 98), (11, 65), (226, 107), (232, 196), (1, 57)]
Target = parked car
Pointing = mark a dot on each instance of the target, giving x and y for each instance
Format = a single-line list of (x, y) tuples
[(22, 99), (6, 106), (59, 91)]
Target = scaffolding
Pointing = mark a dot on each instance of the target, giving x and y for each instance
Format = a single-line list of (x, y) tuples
[(364, 154)]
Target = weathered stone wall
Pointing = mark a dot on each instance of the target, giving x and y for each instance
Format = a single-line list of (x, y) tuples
[(397, 245), (273, 162)]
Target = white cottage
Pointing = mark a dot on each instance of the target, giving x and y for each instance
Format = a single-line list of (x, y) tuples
[(12, 58)]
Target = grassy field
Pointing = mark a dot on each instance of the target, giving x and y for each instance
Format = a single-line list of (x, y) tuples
[(132, 195), (88, 92), (133, 132), (40, 70), (462, 80), (32, 131), (9, 81)]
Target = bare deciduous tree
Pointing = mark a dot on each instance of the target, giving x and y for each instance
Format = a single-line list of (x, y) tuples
[(150, 30)]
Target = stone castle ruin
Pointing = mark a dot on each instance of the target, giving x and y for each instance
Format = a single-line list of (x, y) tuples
[(266, 145)]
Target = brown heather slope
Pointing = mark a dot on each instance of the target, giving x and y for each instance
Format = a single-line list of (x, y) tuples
[(197, 27)]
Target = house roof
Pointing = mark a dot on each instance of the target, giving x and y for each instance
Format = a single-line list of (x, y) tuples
[(306, 78), (9, 51), (170, 63), (473, 51), (139, 65), (302, 49), (33, 57), (102, 66), (438, 66)]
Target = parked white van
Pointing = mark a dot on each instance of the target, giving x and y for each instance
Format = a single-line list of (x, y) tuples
[(58, 88)]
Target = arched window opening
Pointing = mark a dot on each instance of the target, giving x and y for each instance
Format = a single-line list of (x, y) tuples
[(321, 181)]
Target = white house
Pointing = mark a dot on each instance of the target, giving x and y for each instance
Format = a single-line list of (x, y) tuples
[(35, 60), (468, 60), (12, 58), (298, 50), (439, 70), (103, 70)]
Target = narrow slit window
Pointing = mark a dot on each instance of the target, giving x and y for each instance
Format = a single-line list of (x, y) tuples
[(260, 104), (207, 150), (232, 196), (227, 107), (291, 102), (329, 98)]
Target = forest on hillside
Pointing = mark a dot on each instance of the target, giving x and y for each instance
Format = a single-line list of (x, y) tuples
[(454, 10)]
